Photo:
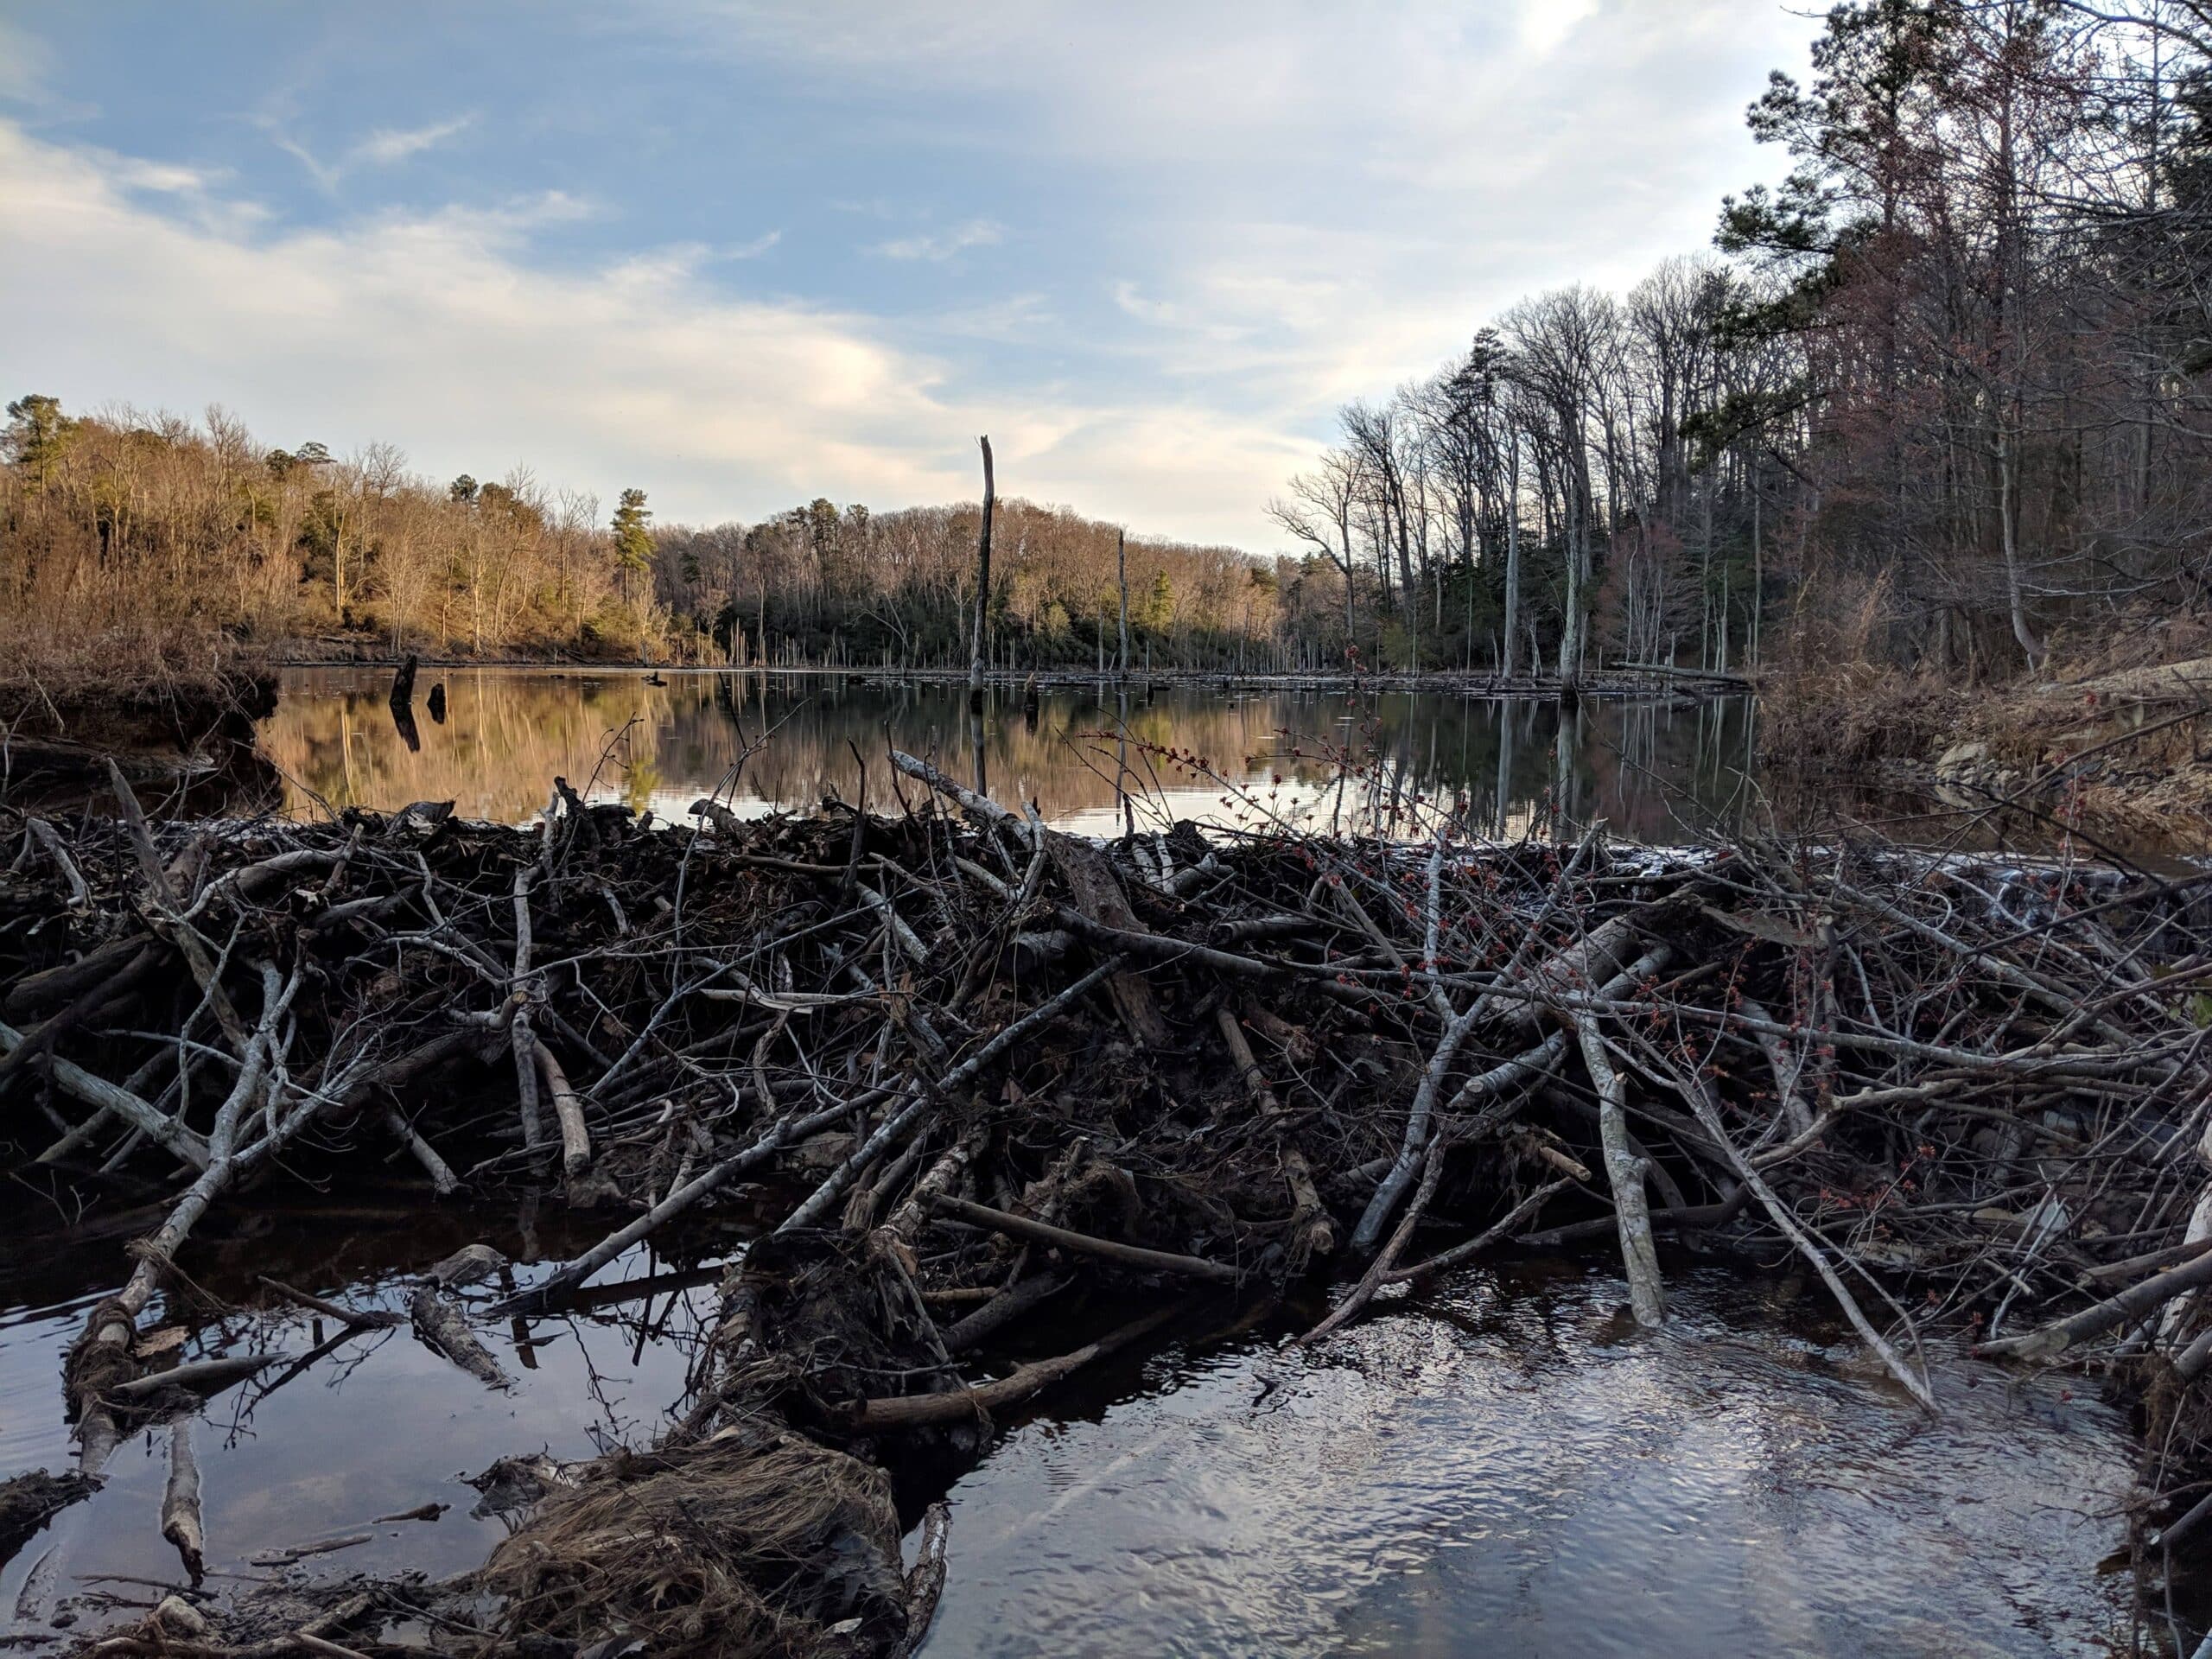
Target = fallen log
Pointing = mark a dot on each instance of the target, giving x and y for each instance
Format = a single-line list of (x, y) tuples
[(180, 1523), (444, 1328)]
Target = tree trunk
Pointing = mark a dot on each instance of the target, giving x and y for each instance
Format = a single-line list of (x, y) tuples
[(1122, 571), (1512, 550), (982, 584)]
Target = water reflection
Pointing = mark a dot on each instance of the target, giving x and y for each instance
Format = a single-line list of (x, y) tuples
[(376, 1425), (1501, 1468), (1652, 769)]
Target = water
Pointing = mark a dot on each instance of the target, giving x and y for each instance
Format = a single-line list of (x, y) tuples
[(1504, 1467), (1655, 769), (1501, 1465), (378, 1425)]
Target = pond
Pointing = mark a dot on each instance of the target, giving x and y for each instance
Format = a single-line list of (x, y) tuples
[(1498, 1464), (1655, 769)]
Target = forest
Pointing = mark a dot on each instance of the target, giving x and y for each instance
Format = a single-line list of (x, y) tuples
[(1938, 399), (122, 522)]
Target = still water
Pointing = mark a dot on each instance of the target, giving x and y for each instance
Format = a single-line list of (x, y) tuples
[(1501, 1465), (1655, 770)]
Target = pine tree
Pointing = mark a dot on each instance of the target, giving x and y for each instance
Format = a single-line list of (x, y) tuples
[(634, 542)]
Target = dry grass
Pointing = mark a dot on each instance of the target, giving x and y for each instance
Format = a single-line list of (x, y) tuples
[(727, 1548), (127, 683), (2109, 734)]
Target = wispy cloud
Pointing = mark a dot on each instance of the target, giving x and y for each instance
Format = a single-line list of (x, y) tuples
[(22, 61), (940, 246), (384, 147), (389, 145)]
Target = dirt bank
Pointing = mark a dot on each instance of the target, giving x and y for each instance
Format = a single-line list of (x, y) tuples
[(176, 711), (2119, 751)]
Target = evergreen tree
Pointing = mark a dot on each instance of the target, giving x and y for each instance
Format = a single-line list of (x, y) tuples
[(634, 542), (36, 433)]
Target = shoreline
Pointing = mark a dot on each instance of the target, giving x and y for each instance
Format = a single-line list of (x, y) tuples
[(1610, 683)]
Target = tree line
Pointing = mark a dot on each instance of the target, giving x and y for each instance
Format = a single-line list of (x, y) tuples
[(1938, 396), (116, 519)]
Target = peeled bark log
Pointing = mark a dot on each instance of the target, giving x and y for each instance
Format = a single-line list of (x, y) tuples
[(1624, 1173), (966, 1405), (444, 1329), (1106, 1250), (181, 1502), (567, 1111)]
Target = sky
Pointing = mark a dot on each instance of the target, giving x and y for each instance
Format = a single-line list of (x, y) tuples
[(741, 255)]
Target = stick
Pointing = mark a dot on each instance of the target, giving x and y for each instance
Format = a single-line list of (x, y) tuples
[(1446, 1260), (966, 1405), (1310, 1232), (575, 1272), (2129, 1305), (73, 1080), (1378, 1270), (1130, 1255), (1701, 1101), (923, 1095), (180, 1502), (80, 896), (351, 1317), (198, 1376), (444, 1181)]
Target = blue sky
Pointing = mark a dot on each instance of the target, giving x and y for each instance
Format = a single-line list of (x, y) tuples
[(744, 254)]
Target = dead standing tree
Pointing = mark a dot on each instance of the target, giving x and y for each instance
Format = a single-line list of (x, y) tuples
[(983, 583)]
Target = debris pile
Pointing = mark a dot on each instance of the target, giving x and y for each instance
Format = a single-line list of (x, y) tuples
[(1003, 1079)]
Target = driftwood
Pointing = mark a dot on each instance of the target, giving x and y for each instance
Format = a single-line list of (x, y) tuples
[(439, 1321)]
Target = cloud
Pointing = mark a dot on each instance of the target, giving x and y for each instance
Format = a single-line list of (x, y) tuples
[(1545, 24), (943, 244), (436, 331), (23, 64), (386, 146), (1301, 203), (1304, 201)]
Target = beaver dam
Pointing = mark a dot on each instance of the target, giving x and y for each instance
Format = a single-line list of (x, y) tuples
[(1662, 1225)]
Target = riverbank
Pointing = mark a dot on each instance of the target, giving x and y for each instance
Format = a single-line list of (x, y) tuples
[(2123, 752), (1000, 1086), (178, 712)]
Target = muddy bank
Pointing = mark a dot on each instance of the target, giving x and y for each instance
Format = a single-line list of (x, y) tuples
[(1003, 1085), (187, 740), (2123, 755)]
